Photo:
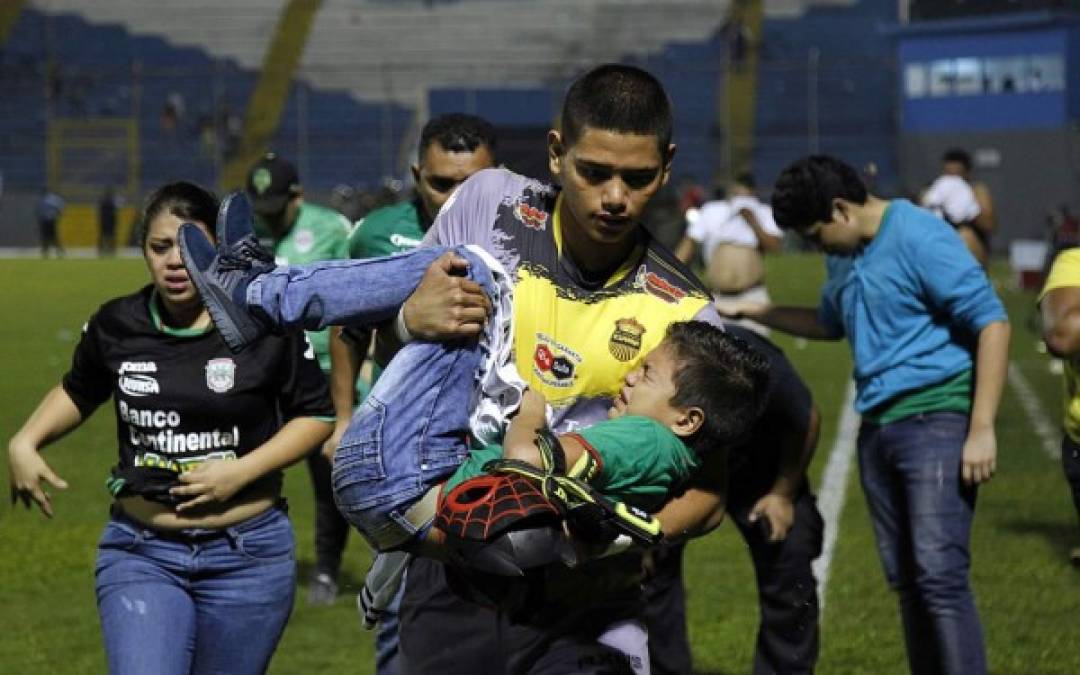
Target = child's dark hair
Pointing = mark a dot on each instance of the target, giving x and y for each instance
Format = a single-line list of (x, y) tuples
[(457, 132), (620, 98), (805, 191), (187, 201), (721, 374)]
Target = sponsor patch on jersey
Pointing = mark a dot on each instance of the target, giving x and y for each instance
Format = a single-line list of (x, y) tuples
[(220, 375), (532, 217), (403, 242), (134, 380), (553, 362), (658, 286), (625, 341), (139, 385)]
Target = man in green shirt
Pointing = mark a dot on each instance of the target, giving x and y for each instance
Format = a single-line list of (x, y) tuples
[(304, 233), (452, 148)]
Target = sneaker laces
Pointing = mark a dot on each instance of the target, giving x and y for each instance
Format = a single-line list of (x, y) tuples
[(244, 255)]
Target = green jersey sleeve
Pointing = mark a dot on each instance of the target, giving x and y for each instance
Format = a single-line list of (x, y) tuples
[(641, 460)]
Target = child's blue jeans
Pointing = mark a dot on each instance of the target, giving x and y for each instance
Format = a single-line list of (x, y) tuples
[(412, 431)]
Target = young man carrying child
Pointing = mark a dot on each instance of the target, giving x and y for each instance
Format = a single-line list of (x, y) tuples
[(697, 391)]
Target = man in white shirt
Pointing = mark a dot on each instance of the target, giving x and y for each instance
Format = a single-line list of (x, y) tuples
[(963, 202), (733, 234)]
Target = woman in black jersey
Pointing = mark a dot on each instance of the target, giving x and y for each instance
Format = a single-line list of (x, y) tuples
[(195, 569)]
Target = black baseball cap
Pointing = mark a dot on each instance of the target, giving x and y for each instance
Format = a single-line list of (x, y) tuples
[(271, 183)]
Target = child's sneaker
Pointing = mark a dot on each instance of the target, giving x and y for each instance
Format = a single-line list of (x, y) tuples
[(222, 280)]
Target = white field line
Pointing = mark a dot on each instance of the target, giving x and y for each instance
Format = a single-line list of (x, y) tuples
[(834, 488), (1047, 432)]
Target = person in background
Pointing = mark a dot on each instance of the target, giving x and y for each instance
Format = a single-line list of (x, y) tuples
[(196, 568), (733, 235), (929, 339), (302, 233), (107, 209), (964, 203), (452, 148), (1059, 305), (50, 207)]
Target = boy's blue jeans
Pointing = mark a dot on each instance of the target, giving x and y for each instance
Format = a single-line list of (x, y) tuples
[(922, 514), (412, 431)]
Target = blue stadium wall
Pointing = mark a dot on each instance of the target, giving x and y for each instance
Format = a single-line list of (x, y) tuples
[(1022, 135), (844, 105)]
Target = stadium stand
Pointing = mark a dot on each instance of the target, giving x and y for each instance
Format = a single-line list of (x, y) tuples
[(827, 83)]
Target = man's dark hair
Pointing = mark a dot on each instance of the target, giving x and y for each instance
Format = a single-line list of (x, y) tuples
[(804, 192), (958, 155), (187, 201), (619, 98), (721, 374), (457, 132)]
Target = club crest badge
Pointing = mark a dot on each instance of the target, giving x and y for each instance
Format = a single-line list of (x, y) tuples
[(220, 375), (625, 342)]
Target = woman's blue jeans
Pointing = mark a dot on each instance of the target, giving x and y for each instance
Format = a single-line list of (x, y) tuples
[(412, 430), (922, 514), (210, 601)]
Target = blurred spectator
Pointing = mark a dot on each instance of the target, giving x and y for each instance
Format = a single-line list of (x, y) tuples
[(733, 235), (1059, 305), (1064, 229), (172, 113), (966, 204), (49, 209), (343, 200), (691, 195), (738, 38), (107, 209)]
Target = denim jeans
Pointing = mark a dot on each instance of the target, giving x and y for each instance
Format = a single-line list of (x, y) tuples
[(202, 602), (411, 432), (922, 514)]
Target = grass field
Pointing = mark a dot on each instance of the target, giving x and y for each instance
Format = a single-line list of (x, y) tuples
[(1025, 588)]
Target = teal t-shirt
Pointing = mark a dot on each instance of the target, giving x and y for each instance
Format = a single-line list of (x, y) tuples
[(318, 234), (641, 461)]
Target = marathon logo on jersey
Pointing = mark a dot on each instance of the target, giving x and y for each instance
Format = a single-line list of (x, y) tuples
[(658, 286), (554, 363), (625, 342), (532, 217), (134, 380), (220, 375)]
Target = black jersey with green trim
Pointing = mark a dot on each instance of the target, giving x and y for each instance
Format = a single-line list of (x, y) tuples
[(574, 339), (180, 396)]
